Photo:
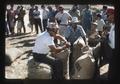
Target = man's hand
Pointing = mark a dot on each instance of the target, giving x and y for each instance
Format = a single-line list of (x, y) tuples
[(67, 44)]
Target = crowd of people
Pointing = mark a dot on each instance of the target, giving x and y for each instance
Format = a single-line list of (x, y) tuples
[(67, 27)]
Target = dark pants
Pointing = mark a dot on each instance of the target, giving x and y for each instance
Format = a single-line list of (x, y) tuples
[(23, 25), (112, 63), (38, 22), (56, 64), (109, 56), (71, 64), (10, 28), (45, 24)]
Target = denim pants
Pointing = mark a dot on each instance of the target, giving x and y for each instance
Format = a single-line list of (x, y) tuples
[(56, 64)]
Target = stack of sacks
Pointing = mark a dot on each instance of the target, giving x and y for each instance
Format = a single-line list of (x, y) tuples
[(38, 70), (84, 66), (64, 57)]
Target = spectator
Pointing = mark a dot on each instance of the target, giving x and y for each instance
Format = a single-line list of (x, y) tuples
[(57, 8), (44, 17), (31, 18), (11, 19), (62, 18), (45, 44), (74, 12), (37, 19), (86, 19), (21, 18), (104, 13), (51, 14), (108, 45), (101, 24), (111, 44)]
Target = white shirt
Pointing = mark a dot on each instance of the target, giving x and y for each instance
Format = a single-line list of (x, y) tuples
[(104, 15), (100, 25), (63, 17), (42, 43), (112, 36), (45, 14)]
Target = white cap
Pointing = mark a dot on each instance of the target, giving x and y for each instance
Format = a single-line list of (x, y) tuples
[(75, 20)]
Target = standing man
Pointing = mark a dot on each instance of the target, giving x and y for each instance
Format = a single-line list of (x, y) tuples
[(74, 12), (45, 44), (21, 18), (101, 24), (86, 19), (37, 19), (44, 17), (11, 19), (111, 44), (31, 18), (63, 19), (104, 13), (51, 14)]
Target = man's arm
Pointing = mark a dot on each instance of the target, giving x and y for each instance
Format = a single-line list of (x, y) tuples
[(61, 38), (55, 49)]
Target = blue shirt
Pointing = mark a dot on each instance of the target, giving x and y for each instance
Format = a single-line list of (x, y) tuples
[(72, 35)]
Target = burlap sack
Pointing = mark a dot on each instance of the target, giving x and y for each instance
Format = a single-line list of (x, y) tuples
[(12, 54), (38, 70), (84, 67), (77, 46), (64, 56)]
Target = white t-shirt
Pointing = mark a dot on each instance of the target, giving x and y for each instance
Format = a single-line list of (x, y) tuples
[(112, 37), (101, 23), (63, 17), (42, 43), (45, 14)]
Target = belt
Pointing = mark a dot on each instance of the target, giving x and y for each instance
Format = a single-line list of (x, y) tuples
[(63, 24)]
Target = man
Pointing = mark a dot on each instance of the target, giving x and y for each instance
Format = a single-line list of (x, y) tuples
[(74, 12), (72, 33), (86, 19), (37, 20), (44, 17), (21, 16), (101, 24), (31, 19), (111, 44), (104, 13), (63, 19), (51, 14), (45, 44), (11, 19)]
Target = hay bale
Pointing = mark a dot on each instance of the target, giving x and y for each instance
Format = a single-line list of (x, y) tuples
[(64, 57), (38, 70), (11, 55), (84, 67)]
